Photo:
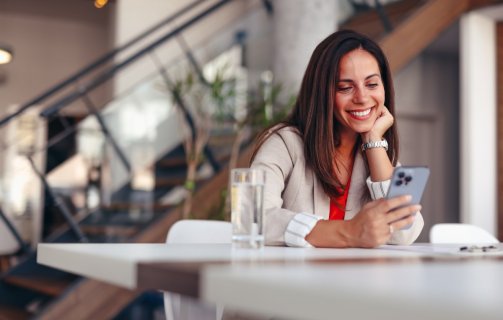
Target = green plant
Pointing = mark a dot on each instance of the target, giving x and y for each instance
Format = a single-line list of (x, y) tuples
[(221, 101)]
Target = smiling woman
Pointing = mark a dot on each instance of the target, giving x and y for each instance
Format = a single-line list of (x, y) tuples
[(360, 93), (329, 163)]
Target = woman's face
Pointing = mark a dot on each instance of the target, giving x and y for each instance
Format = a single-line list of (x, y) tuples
[(360, 93)]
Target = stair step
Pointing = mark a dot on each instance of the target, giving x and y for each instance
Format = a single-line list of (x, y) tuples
[(221, 154), (5, 263), (171, 173), (124, 219), (107, 239), (222, 140), (174, 182), (169, 182), (51, 287), (13, 313), (370, 24), (110, 231), (126, 206), (175, 161)]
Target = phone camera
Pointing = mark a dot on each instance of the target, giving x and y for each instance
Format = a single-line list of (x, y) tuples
[(403, 179)]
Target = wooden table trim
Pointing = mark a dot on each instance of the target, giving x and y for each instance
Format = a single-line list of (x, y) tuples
[(183, 278)]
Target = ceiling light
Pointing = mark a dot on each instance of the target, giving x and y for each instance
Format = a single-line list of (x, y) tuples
[(100, 3), (5, 54)]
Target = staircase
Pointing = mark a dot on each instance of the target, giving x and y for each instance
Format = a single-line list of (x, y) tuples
[(404, 43), (29, 290)]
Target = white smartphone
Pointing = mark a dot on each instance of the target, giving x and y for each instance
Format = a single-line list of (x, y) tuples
[(408, 181)]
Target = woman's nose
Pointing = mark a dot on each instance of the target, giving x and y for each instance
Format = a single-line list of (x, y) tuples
[(360, 96)]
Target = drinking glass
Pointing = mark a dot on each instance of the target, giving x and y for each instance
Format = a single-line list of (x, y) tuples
[(247, 206)]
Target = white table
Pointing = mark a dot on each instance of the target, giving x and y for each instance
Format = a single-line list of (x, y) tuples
[(421, 282)]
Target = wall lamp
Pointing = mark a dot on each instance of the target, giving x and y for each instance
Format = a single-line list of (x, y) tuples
[(6, 54)]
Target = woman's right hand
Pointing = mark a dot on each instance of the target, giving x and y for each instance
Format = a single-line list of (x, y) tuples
[(374, 224), (370, 228)]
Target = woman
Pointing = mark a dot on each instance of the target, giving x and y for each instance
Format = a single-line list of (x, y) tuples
[(329, 163)]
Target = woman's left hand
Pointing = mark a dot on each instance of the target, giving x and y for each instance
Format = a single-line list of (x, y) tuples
[(383, 122)]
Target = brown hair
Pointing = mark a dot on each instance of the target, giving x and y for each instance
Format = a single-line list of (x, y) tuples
[(313, 112)]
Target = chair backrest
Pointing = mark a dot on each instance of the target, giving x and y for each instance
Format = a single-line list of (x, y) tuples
[(200, 231), (195, 231), (460, 233)]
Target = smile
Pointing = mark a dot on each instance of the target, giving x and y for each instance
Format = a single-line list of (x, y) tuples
[(360, 114)]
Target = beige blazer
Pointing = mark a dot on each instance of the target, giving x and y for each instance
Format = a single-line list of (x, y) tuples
[(292, 188)]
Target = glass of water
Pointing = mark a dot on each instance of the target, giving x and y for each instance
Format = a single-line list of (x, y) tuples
[(247, 206)]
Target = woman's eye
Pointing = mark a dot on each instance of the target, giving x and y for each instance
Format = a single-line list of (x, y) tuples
[(344, 89), (372, 85)]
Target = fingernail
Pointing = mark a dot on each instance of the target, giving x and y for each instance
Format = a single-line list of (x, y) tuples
[(417, 207), (408, 198)]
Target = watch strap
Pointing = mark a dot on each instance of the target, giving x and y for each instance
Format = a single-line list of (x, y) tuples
[(375, 144)]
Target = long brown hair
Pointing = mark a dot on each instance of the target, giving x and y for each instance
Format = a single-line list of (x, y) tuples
[(313, 112)]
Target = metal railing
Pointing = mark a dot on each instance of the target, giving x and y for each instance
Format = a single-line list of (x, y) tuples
[(97, 63), (82, 91)]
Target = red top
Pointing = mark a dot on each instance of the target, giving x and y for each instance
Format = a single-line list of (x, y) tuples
[(338, 205)]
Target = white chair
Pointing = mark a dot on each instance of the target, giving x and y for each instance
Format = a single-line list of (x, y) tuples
[(200, 231), (460, 233), (176, 306)]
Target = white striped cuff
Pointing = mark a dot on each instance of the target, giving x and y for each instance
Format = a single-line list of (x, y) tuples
[(298, 228), (378, 189)]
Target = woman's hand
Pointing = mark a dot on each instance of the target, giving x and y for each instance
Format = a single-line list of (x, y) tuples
[(371, 227), (383, 122), (379, 163), (375, 223)]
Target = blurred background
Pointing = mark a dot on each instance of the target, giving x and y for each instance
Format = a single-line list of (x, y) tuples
[(119, 117)]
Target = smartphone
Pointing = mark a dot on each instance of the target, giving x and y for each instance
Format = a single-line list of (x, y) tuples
[(408, 181)]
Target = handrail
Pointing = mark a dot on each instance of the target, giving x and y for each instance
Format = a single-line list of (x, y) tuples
[(63, 102), (381, 13), (383, 16), (63, 208), (97, 63)]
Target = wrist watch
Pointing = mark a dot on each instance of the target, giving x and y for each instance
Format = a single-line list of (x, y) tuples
[(375, 144)]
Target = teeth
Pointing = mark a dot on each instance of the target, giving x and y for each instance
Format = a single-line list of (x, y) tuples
[(360, 113)]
